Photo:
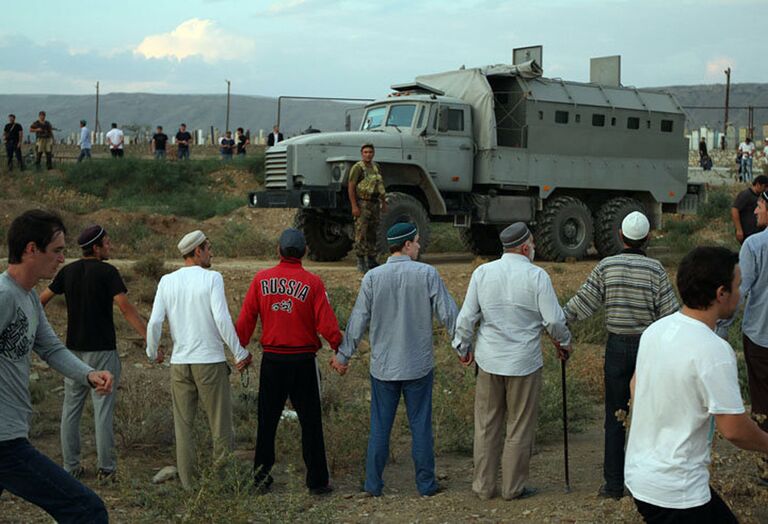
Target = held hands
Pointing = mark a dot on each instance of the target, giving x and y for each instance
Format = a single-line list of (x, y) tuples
[(101, 381), (340, 368), (563, 352), (160, 356), (243, 364), (356, 212), (467, 359)]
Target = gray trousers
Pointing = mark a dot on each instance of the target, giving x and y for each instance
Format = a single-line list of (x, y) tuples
[(103, 413)]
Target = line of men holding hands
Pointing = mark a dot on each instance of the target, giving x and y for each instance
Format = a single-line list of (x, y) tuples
[(683, 375)]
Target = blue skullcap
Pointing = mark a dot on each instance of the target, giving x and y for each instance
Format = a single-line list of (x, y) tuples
[(293, 238), (400, 233)]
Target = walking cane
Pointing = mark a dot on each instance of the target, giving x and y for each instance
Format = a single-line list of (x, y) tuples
[(565, 426)]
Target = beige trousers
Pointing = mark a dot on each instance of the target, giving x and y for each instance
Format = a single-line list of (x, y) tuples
[(511, 402), (208, 385)]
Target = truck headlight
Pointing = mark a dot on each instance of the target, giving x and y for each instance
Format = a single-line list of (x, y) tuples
[(305, 200), (254, 200), (336, 173)]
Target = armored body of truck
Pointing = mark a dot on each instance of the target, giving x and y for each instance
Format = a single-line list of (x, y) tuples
[(486, 147)]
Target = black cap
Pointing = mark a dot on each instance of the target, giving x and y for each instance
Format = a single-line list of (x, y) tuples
[(293, 238)]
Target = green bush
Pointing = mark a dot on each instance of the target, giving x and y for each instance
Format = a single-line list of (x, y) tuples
[(179, 188), (445, 239), (243, 240), (718, 205), (150, 267)]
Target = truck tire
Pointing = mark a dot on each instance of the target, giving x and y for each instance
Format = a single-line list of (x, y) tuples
[(402, 207), (326, 237), (564, 229), (608, 222), (481, 239)]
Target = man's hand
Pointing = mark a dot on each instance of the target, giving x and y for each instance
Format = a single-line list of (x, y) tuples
[(160, 356), (467, 359), (383, 206), (740, 236), (355, 211), (563, 352), (243, 364), (340, 368), (101, 381)]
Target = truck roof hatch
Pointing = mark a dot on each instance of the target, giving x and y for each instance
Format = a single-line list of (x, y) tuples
[(417, 88)]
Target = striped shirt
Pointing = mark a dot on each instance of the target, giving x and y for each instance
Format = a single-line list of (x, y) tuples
[(634, 289)]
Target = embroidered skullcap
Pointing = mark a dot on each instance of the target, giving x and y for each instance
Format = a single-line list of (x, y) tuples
[(514, 235), (635, 226), (91, 235), (191, 241), (293, 238), (400, 233)]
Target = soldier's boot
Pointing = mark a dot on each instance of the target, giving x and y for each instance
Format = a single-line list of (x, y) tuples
[(372, 263), (361, 266)]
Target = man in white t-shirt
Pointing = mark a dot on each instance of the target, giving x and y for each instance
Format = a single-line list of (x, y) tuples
[(747, 151), (115, 141), (193, 300), (686, 385)]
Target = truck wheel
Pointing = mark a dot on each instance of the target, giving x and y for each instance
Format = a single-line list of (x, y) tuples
[(608, 222), (402, 207), (481, 239), (564, 229), (326, 237)]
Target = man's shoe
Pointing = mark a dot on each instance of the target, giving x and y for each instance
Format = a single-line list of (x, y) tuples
[(372, 263), (606, 493), (77, 473), (106, 476), (362, 267), (323, 490), (263, 484), (439, 489), (526, 493)]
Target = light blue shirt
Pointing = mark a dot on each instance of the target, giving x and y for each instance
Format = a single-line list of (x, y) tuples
[(85, 138), (398, 299), (513, 300), (753, 261)]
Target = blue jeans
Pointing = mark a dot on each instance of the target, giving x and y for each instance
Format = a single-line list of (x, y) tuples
[(182, 153), (29, 474), (159, 154), (385, 397), (746, 168), (84, 153), (620, 359)]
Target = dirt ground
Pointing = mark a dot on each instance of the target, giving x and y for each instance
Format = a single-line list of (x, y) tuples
[(732, 473)]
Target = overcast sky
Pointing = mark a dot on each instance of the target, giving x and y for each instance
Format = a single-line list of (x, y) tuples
[(359, 48)]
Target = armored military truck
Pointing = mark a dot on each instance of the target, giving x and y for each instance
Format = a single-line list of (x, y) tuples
[(484, 147)]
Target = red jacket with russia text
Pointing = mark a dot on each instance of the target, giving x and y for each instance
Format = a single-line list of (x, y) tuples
[(293, 307)]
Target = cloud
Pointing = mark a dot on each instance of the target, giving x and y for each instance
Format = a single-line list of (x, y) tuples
[(284, 5), (716, 66), (196, 38)]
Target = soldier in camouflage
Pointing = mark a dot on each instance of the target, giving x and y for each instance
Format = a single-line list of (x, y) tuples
[(368, 199)]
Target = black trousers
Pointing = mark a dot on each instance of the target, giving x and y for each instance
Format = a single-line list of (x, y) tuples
[(11, 150), (715, 512), (756, 357), (298, 380)]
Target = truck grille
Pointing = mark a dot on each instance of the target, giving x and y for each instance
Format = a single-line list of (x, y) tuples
[(276, 170)]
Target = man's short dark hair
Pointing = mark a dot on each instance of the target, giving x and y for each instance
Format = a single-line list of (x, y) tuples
[(240, 129), (702, 272), (160, 128), (12, 115), (760, 179), (82, 122), (88, 250), (367, 146), (183, 125), (397, 247), (114, 125), (36, 226), (41, 113), (634, 244), (291, 252)]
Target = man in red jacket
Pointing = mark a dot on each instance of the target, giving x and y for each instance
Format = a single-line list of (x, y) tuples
[(294, 308)]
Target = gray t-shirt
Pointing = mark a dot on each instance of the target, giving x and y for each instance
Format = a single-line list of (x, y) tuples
[(24, 328)]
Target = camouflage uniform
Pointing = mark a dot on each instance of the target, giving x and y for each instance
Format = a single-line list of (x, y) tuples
[(370, 192)]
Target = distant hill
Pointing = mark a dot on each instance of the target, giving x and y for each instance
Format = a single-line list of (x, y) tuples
[(135, 110)]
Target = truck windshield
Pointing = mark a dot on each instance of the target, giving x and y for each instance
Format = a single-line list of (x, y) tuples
[(401, 115), (374, 117)]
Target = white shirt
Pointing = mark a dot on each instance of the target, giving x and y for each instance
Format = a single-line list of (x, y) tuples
[(513, 300), (115, 138), (193, 300), (685, 374), (747, 149)]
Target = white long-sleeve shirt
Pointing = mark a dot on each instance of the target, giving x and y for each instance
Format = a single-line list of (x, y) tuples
[(513, 300), (193, 300)]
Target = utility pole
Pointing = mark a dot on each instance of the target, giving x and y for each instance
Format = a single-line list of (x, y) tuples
[(226, 127), (727, 100), (751, 122), (96, 126)]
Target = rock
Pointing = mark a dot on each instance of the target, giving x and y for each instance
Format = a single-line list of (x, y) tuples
[(34, 376), (59, 389), (165, 474), (289, 414)]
